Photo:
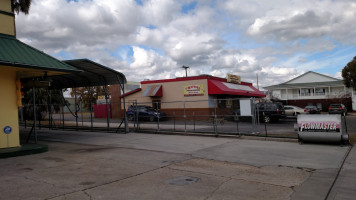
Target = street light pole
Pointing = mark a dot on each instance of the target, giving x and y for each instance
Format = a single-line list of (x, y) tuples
[(185, 67)]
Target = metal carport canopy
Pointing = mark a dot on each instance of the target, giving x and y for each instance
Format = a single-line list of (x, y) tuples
[(92, 74)]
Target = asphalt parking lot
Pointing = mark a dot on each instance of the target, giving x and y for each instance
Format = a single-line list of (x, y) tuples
[(93, 165)]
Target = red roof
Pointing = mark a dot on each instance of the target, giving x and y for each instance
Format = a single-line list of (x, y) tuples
[(219, 87), (189, 78), (131, 92)]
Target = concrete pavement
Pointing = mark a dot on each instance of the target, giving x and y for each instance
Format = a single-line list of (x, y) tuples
[(92, 165)]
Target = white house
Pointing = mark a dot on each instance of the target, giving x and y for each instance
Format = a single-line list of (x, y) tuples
[(314, 88)]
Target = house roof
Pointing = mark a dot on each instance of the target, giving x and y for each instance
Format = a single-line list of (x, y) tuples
[(18, 54), (323, 77), (309, 79)]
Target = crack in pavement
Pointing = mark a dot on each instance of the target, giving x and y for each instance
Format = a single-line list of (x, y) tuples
[(217, 188), (119, 180)]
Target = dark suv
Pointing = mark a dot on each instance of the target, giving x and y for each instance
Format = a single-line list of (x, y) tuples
[(144, 113), (270, 112), (338, 109)]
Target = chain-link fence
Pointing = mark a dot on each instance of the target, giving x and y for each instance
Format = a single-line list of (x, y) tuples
[(213, 116)]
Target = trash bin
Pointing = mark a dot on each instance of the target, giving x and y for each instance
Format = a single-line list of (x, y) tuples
[(322, 128)]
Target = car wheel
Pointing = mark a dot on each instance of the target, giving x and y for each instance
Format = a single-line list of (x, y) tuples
[(130, 117), (267, 119), (152, 118)]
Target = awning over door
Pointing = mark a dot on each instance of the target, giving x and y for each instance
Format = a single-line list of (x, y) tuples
[(153, 91), (219, 87)]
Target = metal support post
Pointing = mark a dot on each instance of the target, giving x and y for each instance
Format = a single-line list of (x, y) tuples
[(34, 112), (107, 109), (122, 85), (49, 109), (91, 107), (76, 110)]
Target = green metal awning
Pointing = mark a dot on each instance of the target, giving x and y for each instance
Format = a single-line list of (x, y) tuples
[(18, 54)]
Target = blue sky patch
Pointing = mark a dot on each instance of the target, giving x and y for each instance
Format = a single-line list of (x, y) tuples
[(139, 2), (186, 8), (64, 55), (123, 53)]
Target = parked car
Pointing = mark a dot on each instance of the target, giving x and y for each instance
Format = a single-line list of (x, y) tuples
[(338, 109), (294, 110), (270, 112), (312, 109), (146, 113)]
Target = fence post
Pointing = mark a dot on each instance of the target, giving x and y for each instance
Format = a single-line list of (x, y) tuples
[(81, 112), (237, 123), (107, 109), (185, 122), (215, 117), (194, 120), (174, 121), (158, 115), (63, 117), (91, 109)]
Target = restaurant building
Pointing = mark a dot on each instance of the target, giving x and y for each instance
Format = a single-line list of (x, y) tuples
[(198, 95)]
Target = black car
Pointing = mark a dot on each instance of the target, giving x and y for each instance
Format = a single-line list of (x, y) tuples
[(338, 109), (146, 113), (312, 109), (270, 111)]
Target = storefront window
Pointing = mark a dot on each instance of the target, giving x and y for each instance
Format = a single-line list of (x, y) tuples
[(156, 104)]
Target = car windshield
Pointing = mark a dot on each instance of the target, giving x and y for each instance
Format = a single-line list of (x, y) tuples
[(335, 105), (294, 107), (151, 109), (310, 107)]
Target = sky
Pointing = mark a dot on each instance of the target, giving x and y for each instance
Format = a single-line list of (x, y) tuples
[(274, 40)]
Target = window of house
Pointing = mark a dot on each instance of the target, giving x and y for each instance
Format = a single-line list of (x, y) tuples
[(306, 92), (319, 91)]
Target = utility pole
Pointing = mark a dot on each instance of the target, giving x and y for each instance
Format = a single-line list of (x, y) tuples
[(185, 67)]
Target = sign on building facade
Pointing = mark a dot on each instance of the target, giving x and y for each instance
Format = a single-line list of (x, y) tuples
[(193, 90), (231, 78)]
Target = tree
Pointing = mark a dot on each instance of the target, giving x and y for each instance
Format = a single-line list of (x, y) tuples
[(20, 6), (86, 97), (349, 74), (42, 102)]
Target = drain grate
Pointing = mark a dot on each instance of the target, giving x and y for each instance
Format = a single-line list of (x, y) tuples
[(184, 180)]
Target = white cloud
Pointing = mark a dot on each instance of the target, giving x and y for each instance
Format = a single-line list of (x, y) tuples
[(277, 39), (147, 64)]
